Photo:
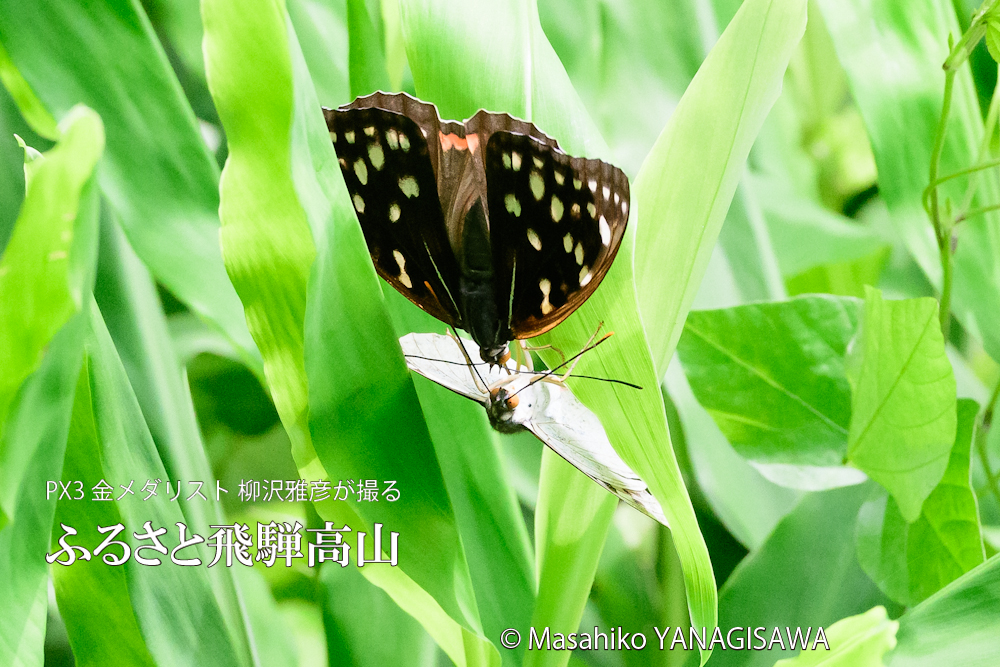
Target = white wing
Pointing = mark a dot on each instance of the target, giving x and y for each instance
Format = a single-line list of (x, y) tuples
[(548, 410), (438, 358), (572, 431)]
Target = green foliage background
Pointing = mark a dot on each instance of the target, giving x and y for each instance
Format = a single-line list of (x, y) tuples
[(185, 294)]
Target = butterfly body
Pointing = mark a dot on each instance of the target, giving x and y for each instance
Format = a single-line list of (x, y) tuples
[(485, 224), (517, 401)]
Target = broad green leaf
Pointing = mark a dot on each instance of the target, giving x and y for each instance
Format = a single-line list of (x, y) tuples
[(365, 57), (34, 440), (903, 407), (682, 208), (92, 596), (804, 575), (724, 477), (958, 625), (749, 247), (321, 27), (47, 269), (158, 175), (364, 419), (858, 641), (772, 376), (34, 112), (893, 52), (568, 555), (627, 50), (842, 278), (365, 628), (138, 327), (911, 561), (160, 596)]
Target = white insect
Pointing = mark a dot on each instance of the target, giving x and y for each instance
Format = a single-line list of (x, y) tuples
[(540, 403)]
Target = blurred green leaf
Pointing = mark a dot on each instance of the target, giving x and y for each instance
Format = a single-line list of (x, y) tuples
[(682, 208), (911, 561), (161, 596), (893, 52), (138, 327), (47, 269), (364, 418), (158, 175), (321, 28), (365, 628), (959, 625), (772, 376), (903, 407), (32, 443), (847, 278), (857, 641), (805, 575), (32, 109), (568, 555), (365, 55)]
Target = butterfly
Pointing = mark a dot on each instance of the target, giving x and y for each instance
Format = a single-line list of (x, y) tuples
[(538, 402), (485, 224)]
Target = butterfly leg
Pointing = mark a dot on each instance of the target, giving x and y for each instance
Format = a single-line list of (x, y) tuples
[(476, 379), (589, 346), (539, 348), (521, 356)]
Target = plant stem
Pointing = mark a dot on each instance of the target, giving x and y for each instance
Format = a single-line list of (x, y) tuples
[(985, 421), (942, 228)]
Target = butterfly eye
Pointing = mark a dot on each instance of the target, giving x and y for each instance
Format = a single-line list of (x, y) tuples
[(512, 402)]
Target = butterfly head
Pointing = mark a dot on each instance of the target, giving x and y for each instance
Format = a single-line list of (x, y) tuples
[(500, 410), (496, 356)]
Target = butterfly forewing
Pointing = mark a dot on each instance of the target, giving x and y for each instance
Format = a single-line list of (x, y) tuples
[(386, 164), (556, 223)]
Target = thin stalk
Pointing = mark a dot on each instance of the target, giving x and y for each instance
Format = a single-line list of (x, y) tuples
[(977, 211), (985, 421), (942, 228)]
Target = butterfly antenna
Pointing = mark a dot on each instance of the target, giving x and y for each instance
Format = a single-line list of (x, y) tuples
[(476, 377), (552, 371)]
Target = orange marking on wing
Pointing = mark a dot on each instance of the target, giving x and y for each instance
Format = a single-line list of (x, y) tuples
[(453, 141), (473, 141)]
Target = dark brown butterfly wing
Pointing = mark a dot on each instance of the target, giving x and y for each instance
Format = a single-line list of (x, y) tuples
[(556, 223)]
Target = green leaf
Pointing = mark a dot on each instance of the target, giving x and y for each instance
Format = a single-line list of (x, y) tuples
[(321, 28), (33, 443), (858, 641), (681, 209), (135, 320), (363, 418), (903, 408), (772, 376), (892, 52), (158, 175), (366, 58), (47, 268), (34, 112), (805, 575), (993, 40), (365, 628), (161, 597), (911, 561), (959, 625), (567, 551)]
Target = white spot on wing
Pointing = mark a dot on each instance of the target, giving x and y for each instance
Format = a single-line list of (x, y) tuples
[(404, 141), (349, 135), (392, 138), (512, 205), (575, 210), (394, 212), (537, 185), (515, 161), (401, 262), (506, 161), (546, 287), (579, 254), (361, 171), (533, 239), (568, 243), (577, 183), (359, 203), (585, 276), (556, 209), (605, 231), (370, 131), (592, 184), (409, 186), (606, 191), (559, 176), (538, 161), (377, 156), (592, 210), (333, 137)]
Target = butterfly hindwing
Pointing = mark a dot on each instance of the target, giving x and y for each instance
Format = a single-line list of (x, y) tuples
[(385, 161), (556, 223)]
